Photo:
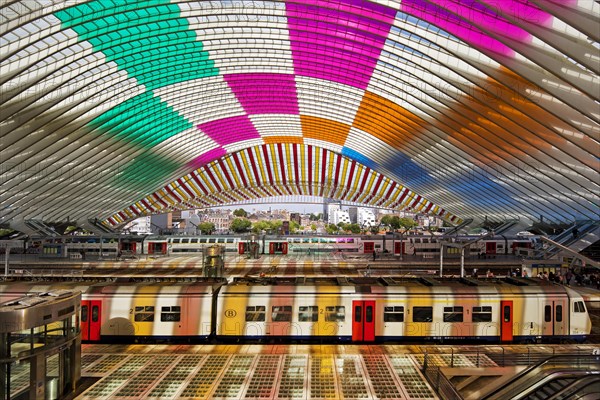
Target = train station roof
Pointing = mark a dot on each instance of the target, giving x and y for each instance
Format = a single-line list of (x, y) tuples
[(118, 109)]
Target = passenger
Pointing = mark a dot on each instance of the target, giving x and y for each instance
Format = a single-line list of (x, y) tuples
[(489, 274), (525, 275), (568, 277), (551, 276), (474, 272)]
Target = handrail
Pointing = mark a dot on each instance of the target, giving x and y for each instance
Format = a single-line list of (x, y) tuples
[(441, 384), (577, 361), (548, 378), (576, 387)]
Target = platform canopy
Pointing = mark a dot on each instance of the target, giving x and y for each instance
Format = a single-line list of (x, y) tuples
[(112, 110)]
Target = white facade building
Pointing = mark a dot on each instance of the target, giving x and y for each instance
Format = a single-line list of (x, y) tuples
[(366, 217)]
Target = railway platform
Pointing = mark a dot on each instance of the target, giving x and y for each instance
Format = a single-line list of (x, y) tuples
[(295, 371), (235, 265)]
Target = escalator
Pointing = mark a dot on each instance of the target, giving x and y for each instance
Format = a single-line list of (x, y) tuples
[(557, 377)]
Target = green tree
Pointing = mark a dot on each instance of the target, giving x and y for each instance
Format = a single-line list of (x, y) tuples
[(374, 229), (354, 228), (260, 226), (294, 226), (240, 212), (206, 228), (332, 229), (240, 225), (407, 223), (313, 227)]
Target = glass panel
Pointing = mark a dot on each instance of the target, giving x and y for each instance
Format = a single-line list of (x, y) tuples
[(422, 314), (559, 313), (369, 316), (357, 313), (84, 313), (548, 313), (95, 313), (506, 313)]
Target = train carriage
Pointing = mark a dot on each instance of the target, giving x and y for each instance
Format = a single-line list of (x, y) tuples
[(408, 309), (360, 309)]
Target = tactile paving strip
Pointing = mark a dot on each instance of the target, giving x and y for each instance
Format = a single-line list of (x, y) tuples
[(351, 377), (145, 378), (174, 380), (264, 379), (381, 378), (455, 360), (292, 383), (257, 377), (105, 387), (322, 377), (232, 381), (410, 377), (104, 366), (206, 377)]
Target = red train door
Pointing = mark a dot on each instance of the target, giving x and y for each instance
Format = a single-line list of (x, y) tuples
[(284, 248), (363, 320), (241, 248), (399, 248), (506, 321), (369, 247), (490, 248), (90, 319)]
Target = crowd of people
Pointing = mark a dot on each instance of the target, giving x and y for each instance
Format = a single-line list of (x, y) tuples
[(572, 277)]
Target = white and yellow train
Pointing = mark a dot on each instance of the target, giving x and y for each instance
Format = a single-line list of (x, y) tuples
[(352, 309), (418, 245)]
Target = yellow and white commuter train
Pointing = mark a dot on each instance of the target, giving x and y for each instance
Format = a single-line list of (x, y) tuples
[(359, 309)]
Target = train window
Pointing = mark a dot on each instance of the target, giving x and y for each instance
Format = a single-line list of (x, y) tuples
[(308, 314), (84, 313), (351, 240), (558, 313), (171, 314), (185, 240), (95, 312), (194, 240), (393, 314), (578, 306), (369, 314), (220, 240), (357, 314), (211, 240), (453, 314), (482, 314), (175, 240), (229, 240), (144, 314), (255, 313), (281, 313), (422, 314), (548, 313), (506, 313), (335, 314)]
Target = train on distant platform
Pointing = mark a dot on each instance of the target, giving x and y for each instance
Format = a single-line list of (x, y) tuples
[(361, 309), (424, 245)]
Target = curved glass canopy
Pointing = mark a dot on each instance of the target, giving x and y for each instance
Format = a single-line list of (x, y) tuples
[(116, 109)]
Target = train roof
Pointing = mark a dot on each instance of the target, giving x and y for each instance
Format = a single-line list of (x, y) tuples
[(389, 285)]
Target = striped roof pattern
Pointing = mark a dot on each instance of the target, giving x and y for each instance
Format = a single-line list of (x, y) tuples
[(483, 107), (272, 170)]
